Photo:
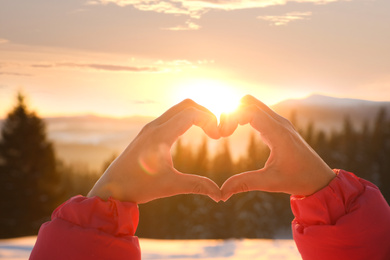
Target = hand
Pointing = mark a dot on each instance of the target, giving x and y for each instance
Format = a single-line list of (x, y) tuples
[(144, 171), (293, 166)]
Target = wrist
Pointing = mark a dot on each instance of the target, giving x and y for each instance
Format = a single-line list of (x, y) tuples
[(328, 176), (104, 191), (322, 180)]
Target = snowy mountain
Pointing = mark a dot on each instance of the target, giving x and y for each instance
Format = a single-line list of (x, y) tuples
[(328, 113), (321, 100)]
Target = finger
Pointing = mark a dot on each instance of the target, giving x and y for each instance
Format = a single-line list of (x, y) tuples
[(187, 103), (258, 119), (195, 184), (247, 181), (228, 124), (250, 100), (181, 122)]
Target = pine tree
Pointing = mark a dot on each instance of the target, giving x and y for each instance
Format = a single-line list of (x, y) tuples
[(201, 160), (28, 179), (182, 157), (380, 150), (363, 154), (349, 146), (257, 154), (223, 165), (309, 134)]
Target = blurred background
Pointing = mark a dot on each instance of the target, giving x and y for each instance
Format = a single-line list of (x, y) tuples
[(79, 79)]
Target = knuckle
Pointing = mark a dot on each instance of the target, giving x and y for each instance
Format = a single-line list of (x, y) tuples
[(188, 102), (198, 188), (253, 108), (285, 121), (192, 112), (247, 98), (151, 133), (146, 129), (244, 187), (149, 128), (191, 109)]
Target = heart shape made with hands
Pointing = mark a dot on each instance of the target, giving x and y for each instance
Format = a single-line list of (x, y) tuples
[(144, 171), (183, 121), (196, 141), (292, 167), (226, 128), (152, 149)]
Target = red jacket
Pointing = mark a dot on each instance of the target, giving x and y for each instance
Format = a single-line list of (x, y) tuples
[(348, 219), (89, 228)]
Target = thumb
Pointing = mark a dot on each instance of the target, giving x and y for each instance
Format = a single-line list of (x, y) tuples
[(228, 124), (195, 184), (243, 182)]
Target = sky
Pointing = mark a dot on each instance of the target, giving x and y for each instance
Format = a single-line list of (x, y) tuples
[(139, 57)]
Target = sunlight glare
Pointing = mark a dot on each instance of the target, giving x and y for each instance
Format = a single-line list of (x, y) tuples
[(214, 95)]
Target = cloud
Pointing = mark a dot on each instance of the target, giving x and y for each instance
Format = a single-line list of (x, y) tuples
[(196, 8), (287, 18), (43, 65), (143, 102), (181, 62), (96, 66), (189, 26), (167, 6), (175, 63), (15, 74), (200, 62), (180, 65), (2, 41), (92, 2)]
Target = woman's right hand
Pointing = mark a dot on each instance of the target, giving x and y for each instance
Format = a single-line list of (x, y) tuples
[(293, 167)]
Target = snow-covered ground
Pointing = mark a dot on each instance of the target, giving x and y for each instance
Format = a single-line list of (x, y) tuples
[(20, 248)]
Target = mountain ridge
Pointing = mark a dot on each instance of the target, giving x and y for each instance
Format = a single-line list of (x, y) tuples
[(329, 113), (319, 99)]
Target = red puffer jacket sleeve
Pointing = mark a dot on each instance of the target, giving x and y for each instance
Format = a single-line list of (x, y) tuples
[(348, 219), (89, 228)]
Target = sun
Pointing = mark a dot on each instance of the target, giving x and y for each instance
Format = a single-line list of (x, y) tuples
[(216, 96)]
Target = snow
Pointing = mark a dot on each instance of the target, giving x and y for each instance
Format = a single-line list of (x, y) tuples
[(17, 248), (152, 249), (231, 249)]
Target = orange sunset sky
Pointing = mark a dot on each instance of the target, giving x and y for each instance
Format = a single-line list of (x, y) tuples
[(125, 57)]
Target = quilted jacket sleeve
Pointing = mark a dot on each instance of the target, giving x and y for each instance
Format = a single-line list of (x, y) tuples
[(89, 228), (348, 219)]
